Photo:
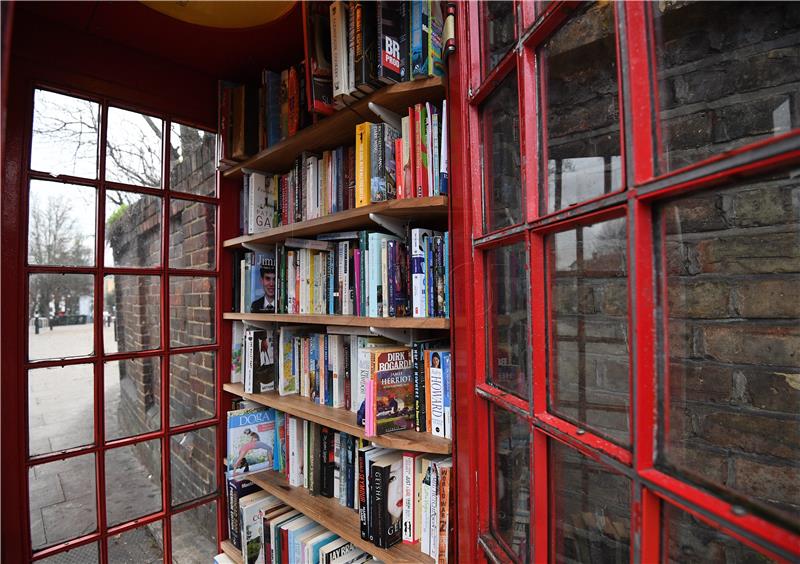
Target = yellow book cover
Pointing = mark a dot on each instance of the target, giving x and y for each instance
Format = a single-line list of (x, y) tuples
[(362, 165)]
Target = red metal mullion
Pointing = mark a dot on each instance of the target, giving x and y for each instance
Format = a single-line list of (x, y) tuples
[(145, 190), (529, 136), (62, 179), (549, 20), (650, 528), (539, 498), (623, 138), (586, 438), (540, 279), (65, 546), (45, 269), (499, 73)]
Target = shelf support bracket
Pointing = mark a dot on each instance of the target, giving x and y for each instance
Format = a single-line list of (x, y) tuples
[(267, 325), (396, 226), (256, 247), (405, 336)]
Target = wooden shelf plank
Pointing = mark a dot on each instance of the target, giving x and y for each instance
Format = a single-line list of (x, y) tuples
[(345, 320), (233, 553), (329, 513), (339, 128), (428, 209), (344, 420)]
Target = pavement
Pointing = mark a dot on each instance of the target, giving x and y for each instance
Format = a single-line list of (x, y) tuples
[(63, 501)]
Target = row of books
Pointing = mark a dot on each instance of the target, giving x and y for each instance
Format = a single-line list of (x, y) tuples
[(390, 388), (399, 496), (360, 273), (386, 163)]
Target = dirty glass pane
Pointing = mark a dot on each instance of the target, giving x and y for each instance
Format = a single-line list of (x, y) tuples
[(588, 334), (192, 167), (132, 396), (194, 534), (133, 148), (193, 465), (501, 159), (133, 310), (60, 408), (498, 32), (64, 136), (591, 509), (580, 91), (61, 224), (511, 503), (731, 369), (191, 387), (726, 78), (143, 545), (192, 241), (60, 311), (191, 311), (133, 478), (86, 554), (63, 503), (133, 229), (507, 319)]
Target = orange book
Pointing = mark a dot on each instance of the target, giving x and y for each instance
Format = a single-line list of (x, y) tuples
[(363, 193)]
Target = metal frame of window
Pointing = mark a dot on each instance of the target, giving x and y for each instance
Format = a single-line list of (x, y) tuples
[(643, 186), (18, 368)]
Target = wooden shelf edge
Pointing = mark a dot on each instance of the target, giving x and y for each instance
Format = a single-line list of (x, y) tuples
[(329, 513), (442, 323), (345, 421), (233, 553), (347, 220)]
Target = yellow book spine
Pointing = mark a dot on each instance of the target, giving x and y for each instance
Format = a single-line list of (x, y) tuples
[(363, 197)]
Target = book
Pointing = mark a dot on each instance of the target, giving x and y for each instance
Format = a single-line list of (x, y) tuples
[(320, 62), (266, 521), (392, 40), (252, 509), (262, 201), (387, 481), (250, 439), (335, 549), (237, 343), (237, 488), (260, 353), (262, 283), (393, 377), (274, 531), (412, 462), (418, 38), (363, 165)]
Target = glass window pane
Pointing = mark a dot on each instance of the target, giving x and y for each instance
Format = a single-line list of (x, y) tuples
[(132, 396), (591, 509), (143, 545), (498, 32), (511, 506), (193, 465), (588, 333), (134, 304), (63, 503), (507, 307), (133, 478), (501, 159), (65, 133), (192, 234), (194, 534), (133, 148), (687, 540), (581, 95), (191, 387), (86, 554), (61, 224), (60, 310), (60, 408), (726, 78), (191, 310), (133, 229), (192, 167), (732, 291)]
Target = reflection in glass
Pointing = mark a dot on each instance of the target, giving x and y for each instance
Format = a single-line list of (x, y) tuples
[(60, 408), (191, 310), (61, 224), (724, 76), (133, 475), (132, 397), (133, 229), (590, 514), (581, 95), (191, 387), (192, 167), (732, 291), (133, 306), (133, 148), (501, 159), (194, 534), (63, 503), (143, 545), (86, 554), (60, 310), (511, 505), (193, 465), (64, 135), (498, 32), (588, 377), (507, 311), (687, 540), (191, 234)]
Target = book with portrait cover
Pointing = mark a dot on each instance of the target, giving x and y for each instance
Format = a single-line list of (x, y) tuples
[(393, 375), (262, 282)]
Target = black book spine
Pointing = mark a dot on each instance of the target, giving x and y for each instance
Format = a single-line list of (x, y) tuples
[(348, 375), (362, 495)]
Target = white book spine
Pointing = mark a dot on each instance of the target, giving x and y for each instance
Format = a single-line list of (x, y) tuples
[(418, 282), (294, 467), (337, 463), (383, 308), (290, 277), (437, 402), (425, 536), (248, 367), (355, 402), (408, 499), (433, 551), (306, 443)]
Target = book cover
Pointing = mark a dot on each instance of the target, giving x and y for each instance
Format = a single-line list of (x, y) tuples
[(392, 372), (252, 509), (237, 340), (435, 38), (250, 439), (273, 106), (238, 488), (334, 550), (262, 201), (314, 544), (262, 282), (363, 165), (366, 56), (319, 87), (419, 238), (444, 469), (388, 510), (418, 40), (392, 38)]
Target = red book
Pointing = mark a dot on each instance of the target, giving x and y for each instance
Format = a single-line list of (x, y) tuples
[(284, 546), (398, 167), (410, 168)]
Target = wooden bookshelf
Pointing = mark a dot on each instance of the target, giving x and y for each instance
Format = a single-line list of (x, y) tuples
[(339, 128), (329, 513), (344, 420), (442, 323), (233, 553), (430, 210)]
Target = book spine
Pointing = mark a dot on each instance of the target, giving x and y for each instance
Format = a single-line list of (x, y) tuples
[(248, 371), (376, 177), (392, 273), (363, 189), (377, 502), (362, 495), (430, 269), (444, 514), (337, 478), (408, 498), (433, 550), (425, 537), (383, 291), (351, 473)]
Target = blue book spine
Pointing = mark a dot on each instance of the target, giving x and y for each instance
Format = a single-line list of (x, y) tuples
[(328, 373), (430, 286), (273, 108), (447, 274), (447, 394), (331, 282), (391, 267), (313, 368), (418, 44)]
